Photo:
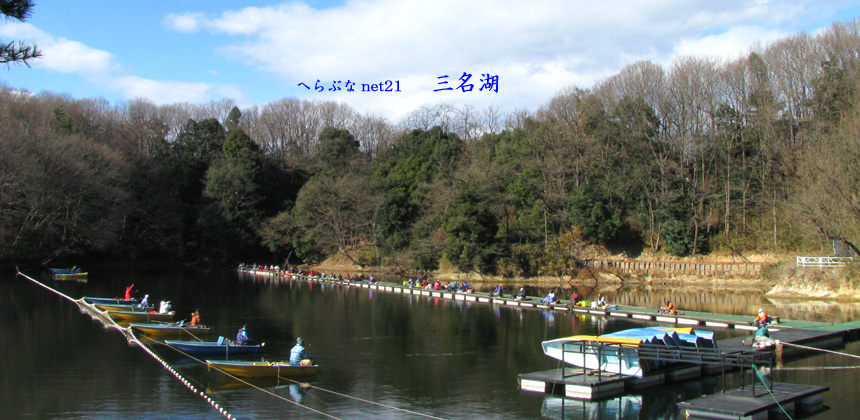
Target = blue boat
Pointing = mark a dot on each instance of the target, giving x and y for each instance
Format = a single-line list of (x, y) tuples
[(68, 273), (634, 352), (223, 345), (176, 328)]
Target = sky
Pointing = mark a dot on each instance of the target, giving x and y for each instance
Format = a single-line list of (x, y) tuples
[(519, 54)]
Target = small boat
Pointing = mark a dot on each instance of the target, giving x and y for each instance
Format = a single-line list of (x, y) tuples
[(68, 273), (72, 276), (110, 301), (176, 328), (223, 346), (124, 307), (137, 316), (634, 352), (246, 369)]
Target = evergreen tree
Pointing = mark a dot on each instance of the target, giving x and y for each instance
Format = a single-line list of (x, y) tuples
[(19, 52)]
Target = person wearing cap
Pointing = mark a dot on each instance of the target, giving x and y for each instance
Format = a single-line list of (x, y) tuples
[(298, 354), (762, 318), (242, 337), (164, 307), (195, 318), (144, 302)]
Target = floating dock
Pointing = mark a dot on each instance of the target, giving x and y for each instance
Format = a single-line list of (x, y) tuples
[(733, 354), (684, 318), (757, 403), (753, 402)]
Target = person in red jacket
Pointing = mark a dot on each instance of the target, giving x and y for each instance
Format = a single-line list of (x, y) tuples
[(129, 292), (762, 318)]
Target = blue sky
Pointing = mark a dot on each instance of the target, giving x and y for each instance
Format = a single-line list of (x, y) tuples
[(256, 52)]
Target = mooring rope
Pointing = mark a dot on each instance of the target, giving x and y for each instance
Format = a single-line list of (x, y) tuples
[(818, 368), (297, 382), (132, 338), (45, 286), (203, 362), (371, 402), (764, 383), (815, 348), (127, 331)]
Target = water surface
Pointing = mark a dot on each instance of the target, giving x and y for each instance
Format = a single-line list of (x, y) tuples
[(422, 355)]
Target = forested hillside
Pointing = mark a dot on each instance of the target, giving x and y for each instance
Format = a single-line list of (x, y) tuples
[(756, 154)]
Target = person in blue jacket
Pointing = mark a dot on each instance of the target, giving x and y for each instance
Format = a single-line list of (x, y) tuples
[(298, 353), (242, 337)]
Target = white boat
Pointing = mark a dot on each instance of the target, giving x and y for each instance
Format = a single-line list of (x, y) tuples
[(633, 352)]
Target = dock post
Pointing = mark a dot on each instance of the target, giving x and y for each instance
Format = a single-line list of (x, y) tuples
[(778, 351)]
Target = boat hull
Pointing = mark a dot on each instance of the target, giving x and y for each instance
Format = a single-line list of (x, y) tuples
[(124, 307), (110, 301), (170, 329), (134, 316), (71, 276), (212, 347), (246, 369), (620, 352)]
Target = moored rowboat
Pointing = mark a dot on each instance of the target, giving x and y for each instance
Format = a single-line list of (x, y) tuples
[(170, 329), (223, 345), (134, 316), (124, 307), (110, 301), (620, 352), (248, 369), (71, 276)]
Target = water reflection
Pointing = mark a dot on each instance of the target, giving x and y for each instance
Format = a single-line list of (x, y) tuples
[(659, 403), (736, 299), (415, 352)]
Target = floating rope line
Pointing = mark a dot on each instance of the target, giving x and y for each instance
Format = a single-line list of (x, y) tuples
[(133, 339), (368, 401), (203, 362), (296, 382), (45, 286), (818, 368), (826, 351), (764, 383)]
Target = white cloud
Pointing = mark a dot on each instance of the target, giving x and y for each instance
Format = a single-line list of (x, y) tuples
[(535, 49), (730, 44), (185, 22), (99, 68), (160, 91), (68, 56), (60, 54)]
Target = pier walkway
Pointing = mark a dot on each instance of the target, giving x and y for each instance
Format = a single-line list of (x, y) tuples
[(683, 318), (748, 402)]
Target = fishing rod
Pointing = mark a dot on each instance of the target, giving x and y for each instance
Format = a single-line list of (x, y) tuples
[(332, 359)]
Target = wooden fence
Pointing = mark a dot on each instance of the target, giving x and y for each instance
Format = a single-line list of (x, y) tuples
[(669, 267), (823, 262)]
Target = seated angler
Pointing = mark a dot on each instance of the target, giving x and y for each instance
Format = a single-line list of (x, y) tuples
[(668, 309), (298, 355), (521, 294), (762, 318), (242, 338)]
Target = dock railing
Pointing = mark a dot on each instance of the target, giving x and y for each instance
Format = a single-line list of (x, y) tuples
[(823, 262)]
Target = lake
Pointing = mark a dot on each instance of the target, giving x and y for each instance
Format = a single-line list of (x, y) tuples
[(381, 355)]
